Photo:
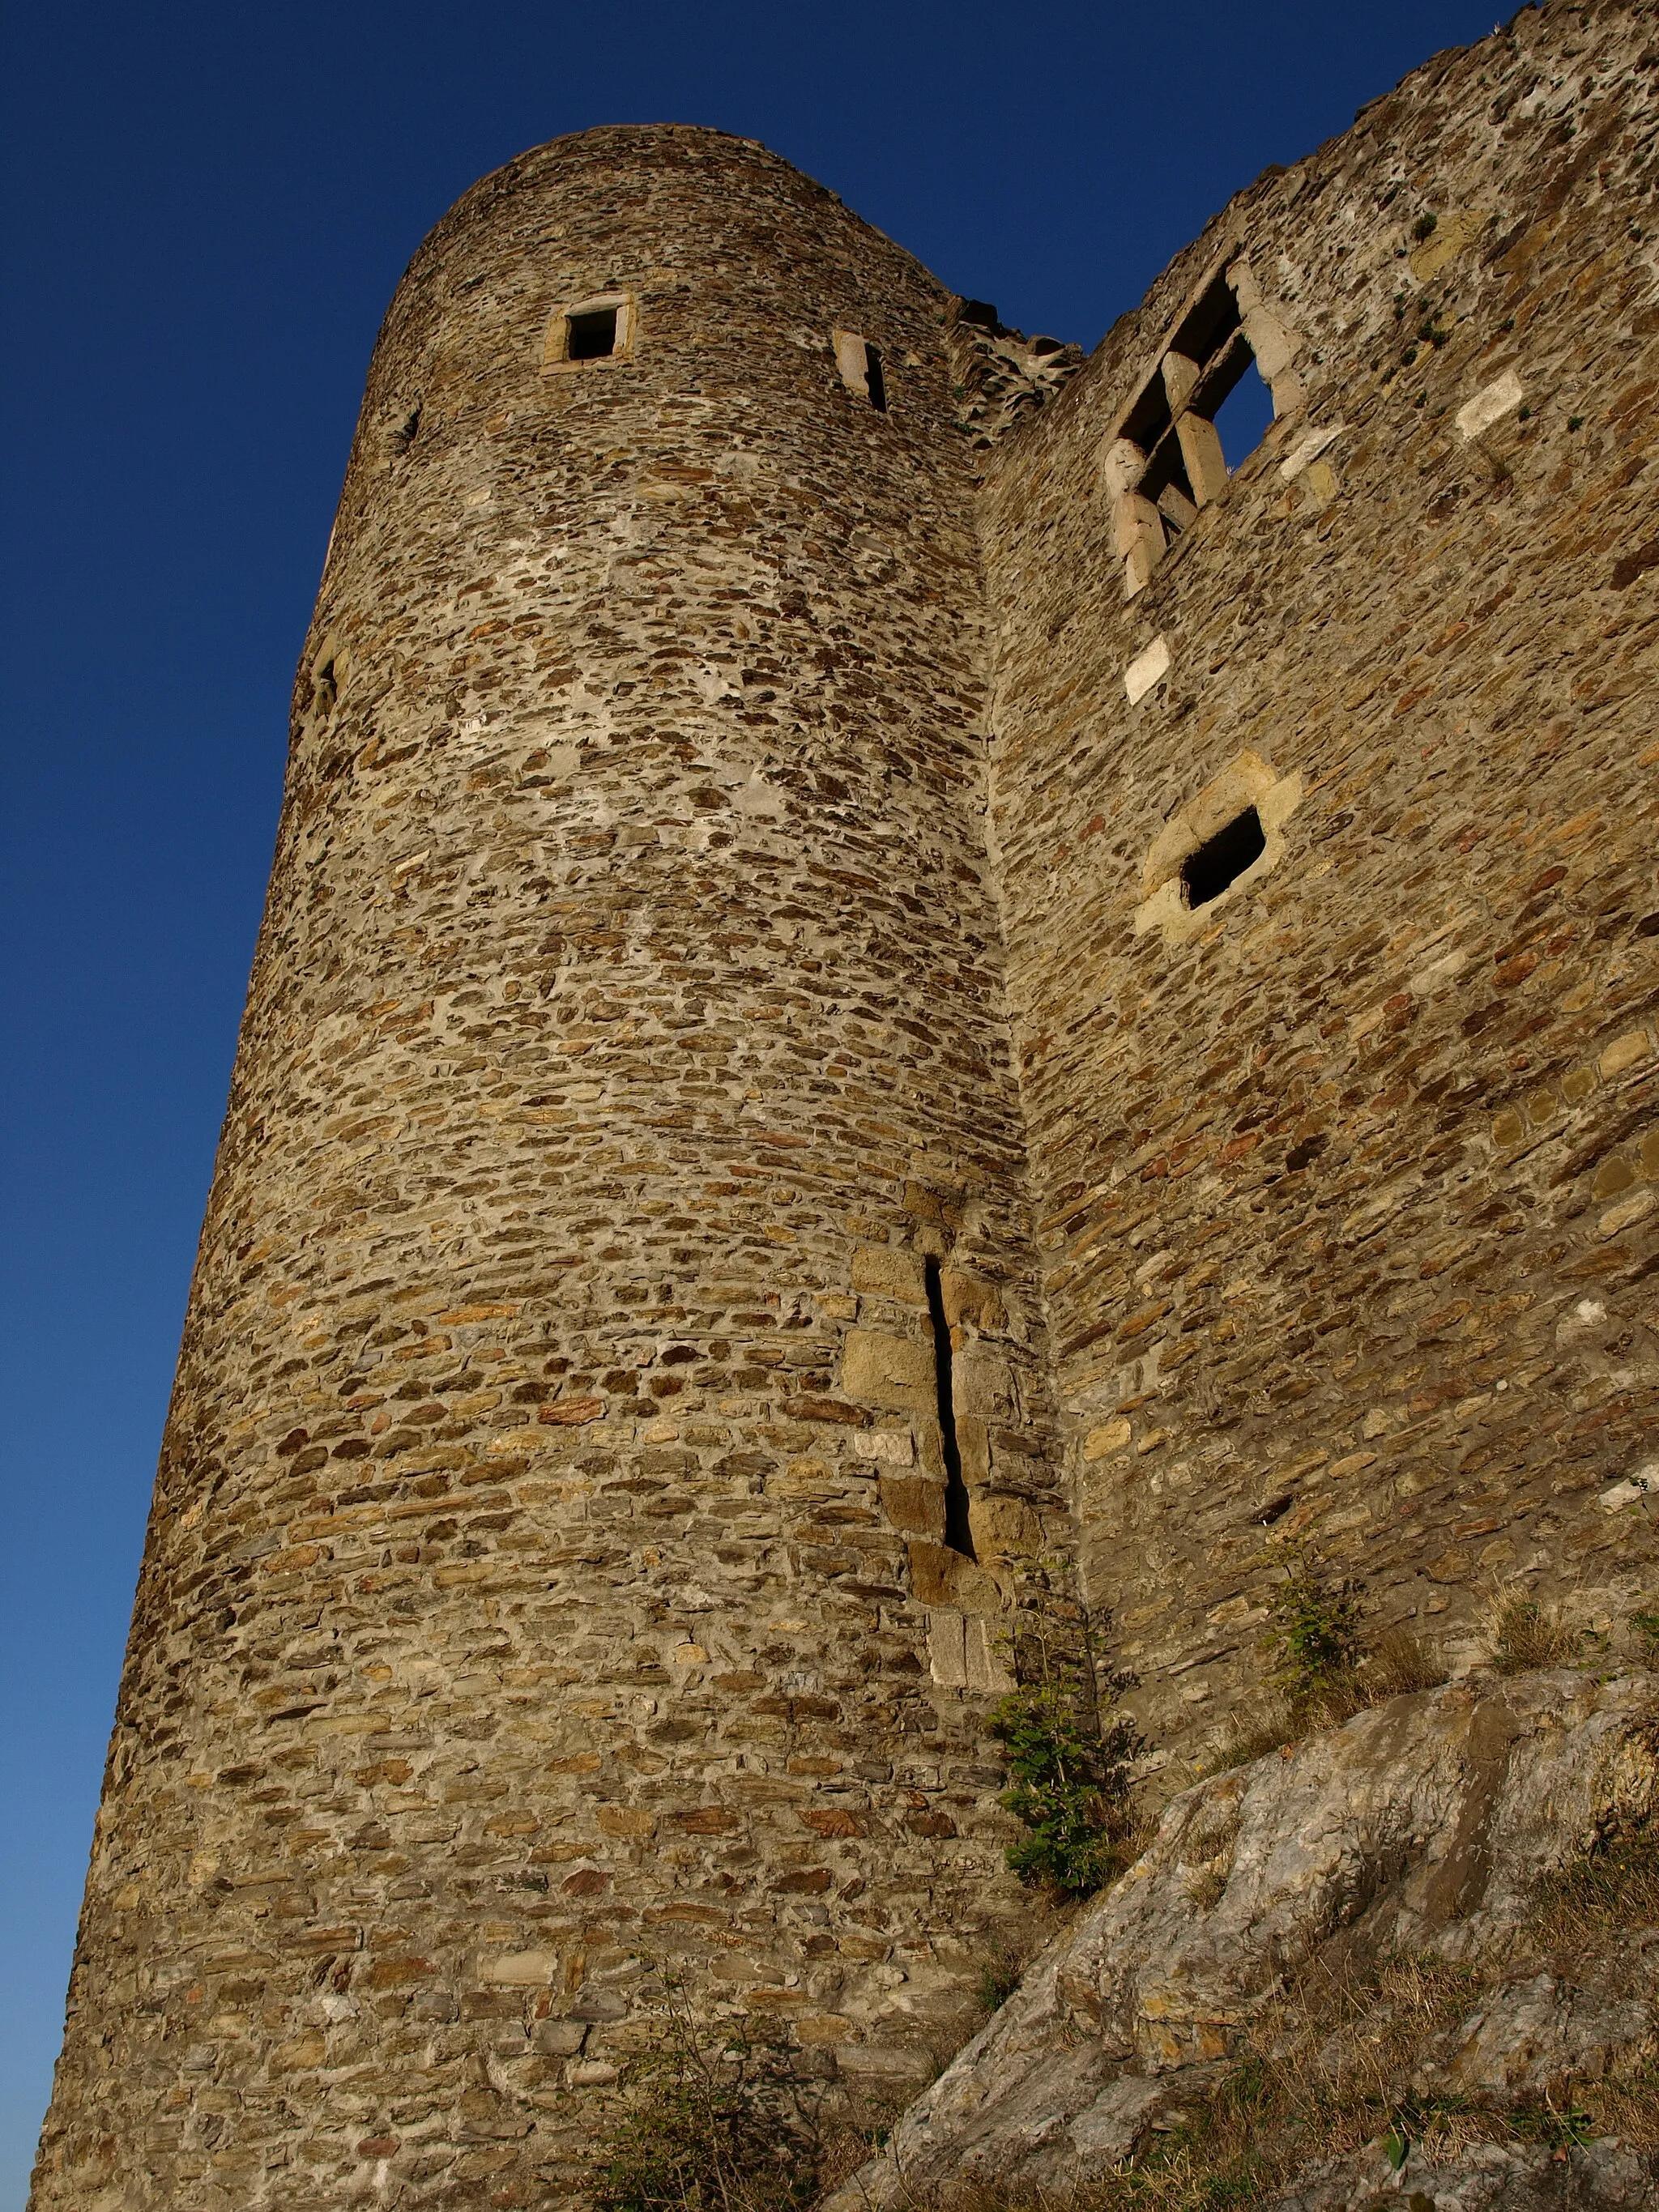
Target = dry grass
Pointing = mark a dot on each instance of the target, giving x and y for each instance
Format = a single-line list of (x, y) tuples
[(1397, 1664), (1329, 2069), (1522, 1633)]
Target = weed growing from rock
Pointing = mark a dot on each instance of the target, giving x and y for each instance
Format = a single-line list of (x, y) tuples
[(1522, 1632), (1327, 1670), (1317, 1639)]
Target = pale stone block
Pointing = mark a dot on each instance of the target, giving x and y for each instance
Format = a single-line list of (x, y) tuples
[(984, 1383), (947, 1658), (892, 1447), (974, 1448), (1122, 465), (1004, 1528), (1619, 1217), (1201, 448), (1135, 525), (987, 1670), (1451, 234), (1147, 668), (1623, 1052), (966, 1298), (1635, 1490), (1180, 375), (880, 1272), (940, 1577), (1101, 1442), (888, 1370), (520, 1970), (1491, 404), (853, 359), (913, 1503), (1308, 449)]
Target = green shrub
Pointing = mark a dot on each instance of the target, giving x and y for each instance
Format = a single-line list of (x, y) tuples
[(1069, 1782), (1070, 1757), (1316, 1638)]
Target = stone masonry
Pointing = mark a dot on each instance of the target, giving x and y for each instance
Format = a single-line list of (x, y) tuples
[(751, 1122)]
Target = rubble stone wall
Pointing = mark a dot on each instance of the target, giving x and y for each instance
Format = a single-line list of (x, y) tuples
[(554, 1472), (728, 912), (1346, 1181)]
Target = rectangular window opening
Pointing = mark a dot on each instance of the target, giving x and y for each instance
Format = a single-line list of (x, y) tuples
[(1221, 859), (874, 382), (591, 336), (1209, 323), (1243, 415), (958, 1533)]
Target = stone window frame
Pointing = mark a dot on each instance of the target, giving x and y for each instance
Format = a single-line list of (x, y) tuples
[(1164, 444), (328, 669), (556, 344), (852, 349), (1246, 781)]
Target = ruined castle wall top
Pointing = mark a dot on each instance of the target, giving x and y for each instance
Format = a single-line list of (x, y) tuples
[(1345, 1179)]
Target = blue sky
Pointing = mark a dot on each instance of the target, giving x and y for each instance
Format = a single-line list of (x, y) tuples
[(206, 209)]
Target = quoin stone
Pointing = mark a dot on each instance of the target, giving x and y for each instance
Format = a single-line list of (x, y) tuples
[(888, 957)]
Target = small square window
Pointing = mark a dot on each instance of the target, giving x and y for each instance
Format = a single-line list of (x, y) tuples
[(597, 329), (591, 336)]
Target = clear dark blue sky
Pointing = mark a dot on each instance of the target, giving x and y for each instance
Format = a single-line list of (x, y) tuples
[(207, 208)]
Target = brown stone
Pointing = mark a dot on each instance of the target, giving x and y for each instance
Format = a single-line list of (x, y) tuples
[(638, 1006)]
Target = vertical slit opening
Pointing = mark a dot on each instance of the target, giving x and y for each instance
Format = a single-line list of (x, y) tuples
[(875, 382), (959, 1534)]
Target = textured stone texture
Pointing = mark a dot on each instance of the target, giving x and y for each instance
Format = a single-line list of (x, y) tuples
[(1346, 1182), (521, 1594), (722, 870), (1422, 1825)]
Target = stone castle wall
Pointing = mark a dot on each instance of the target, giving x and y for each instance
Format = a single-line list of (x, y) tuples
[(554, 1467), (723, 871), (1346, 1181)]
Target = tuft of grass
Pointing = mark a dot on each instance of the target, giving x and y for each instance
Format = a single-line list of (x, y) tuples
[(1259, 1725), (999, 1978), (1589, 1906), (1521, 1632), (1645, 1631), (1398, 1663)]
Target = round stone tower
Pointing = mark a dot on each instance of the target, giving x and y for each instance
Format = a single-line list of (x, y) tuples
[(607, 1410)]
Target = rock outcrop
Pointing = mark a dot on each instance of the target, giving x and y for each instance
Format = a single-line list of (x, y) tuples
[(1428, 1838)]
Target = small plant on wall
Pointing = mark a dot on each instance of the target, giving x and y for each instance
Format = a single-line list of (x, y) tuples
[(1317, 1642), (1070, 1750), (722, 2120)]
